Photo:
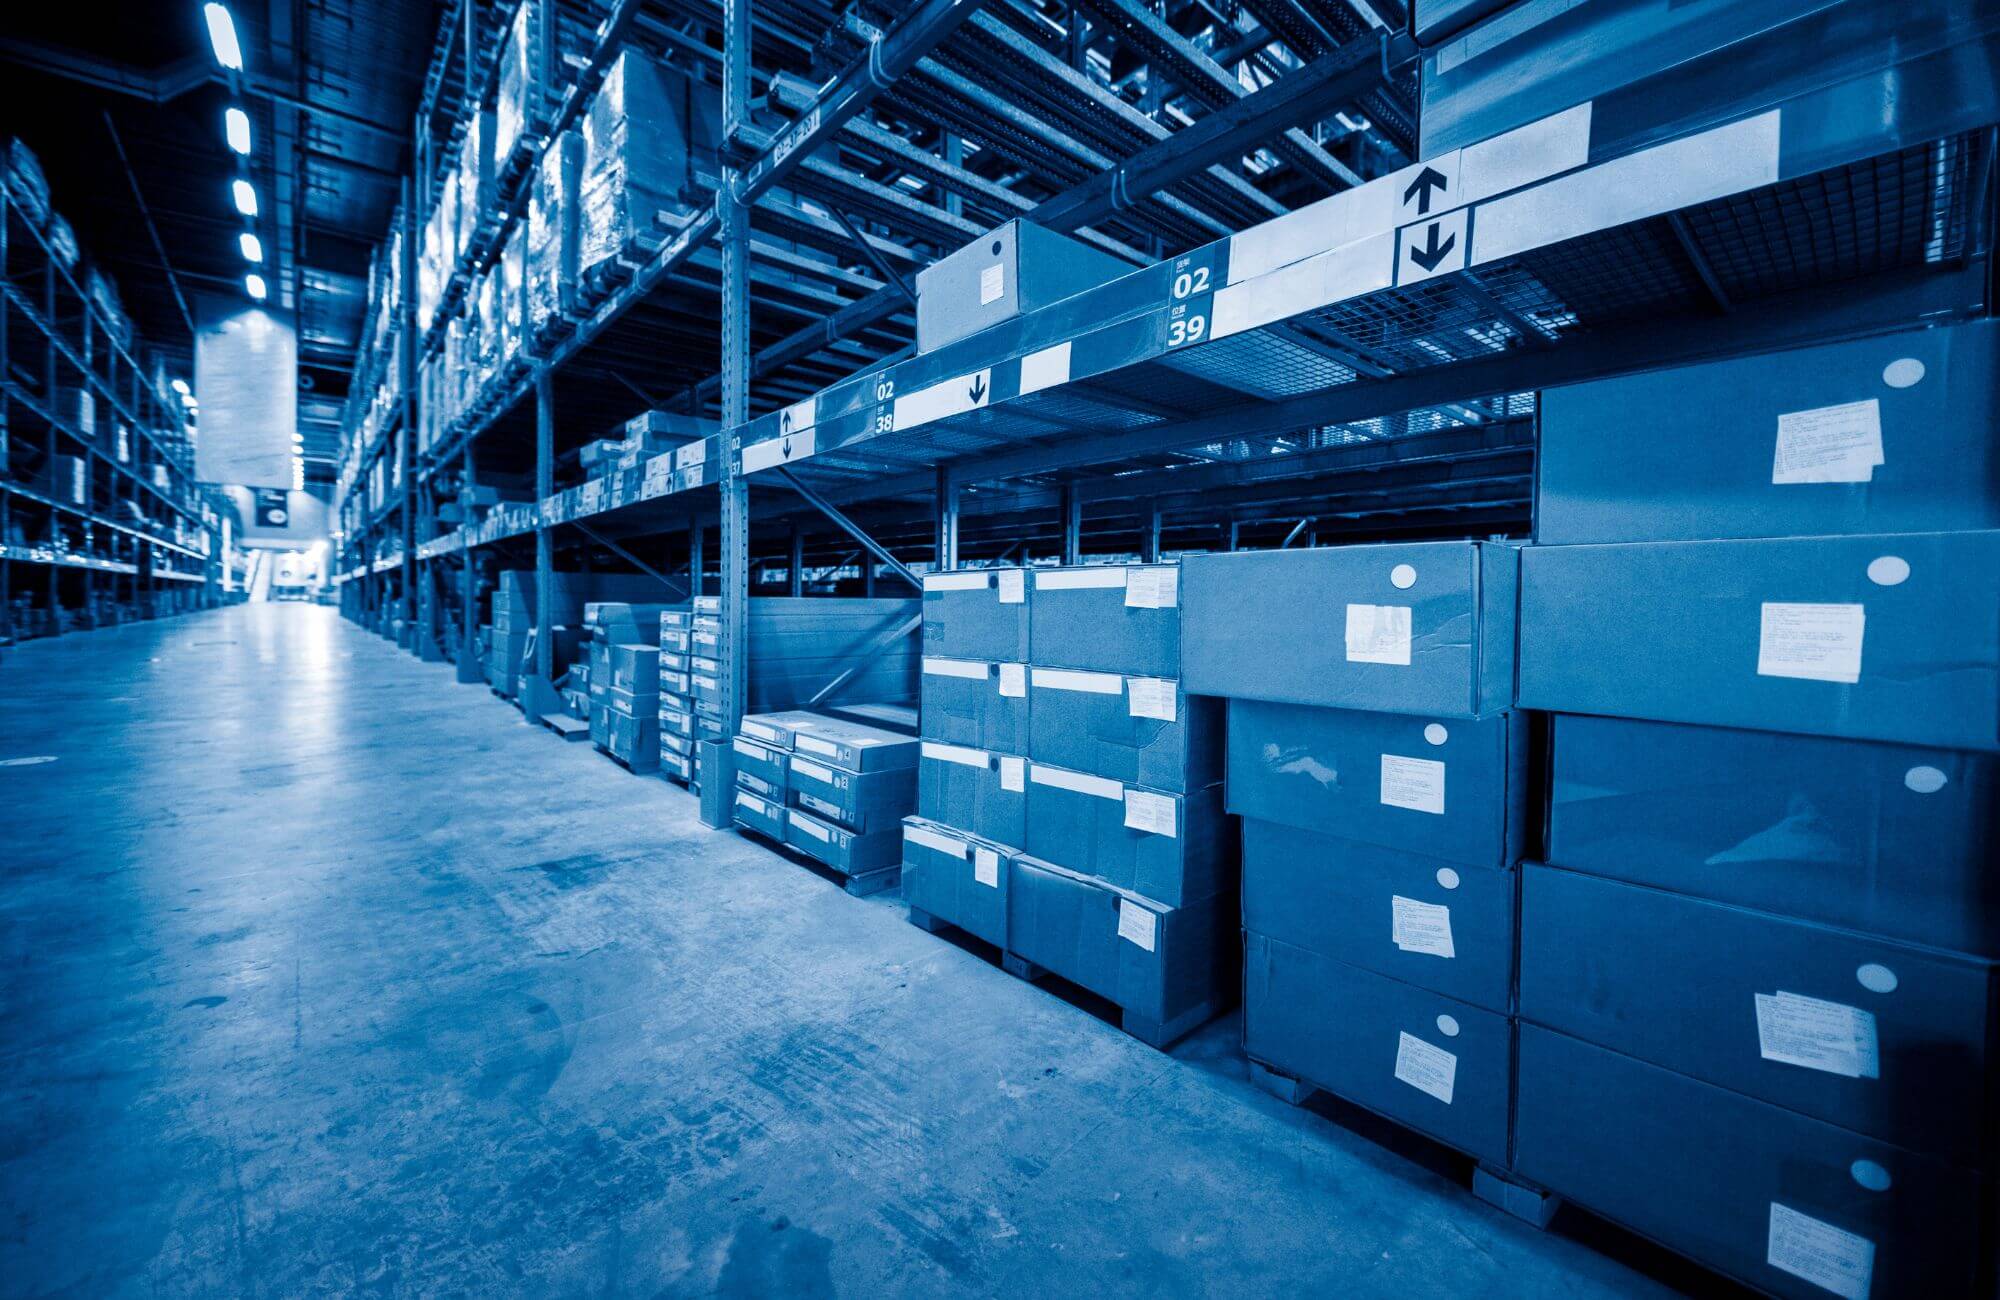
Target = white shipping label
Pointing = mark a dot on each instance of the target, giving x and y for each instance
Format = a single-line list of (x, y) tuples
[(812, 828), (1153, 588), (1013, 586), (1152, 697), (746, 748), (1413, 783), (986, 867), (1426, 1068), (1136, 924), (1013, 774), (1828, 1257), (992, 283), (1013, 681), (969, 669), (1417, 926), (1820, 643), (932, 840), (1817, 1035), (812, 771), (814, 745), (1378, 634), (955, 581), (1830, 444), (1149, 812)]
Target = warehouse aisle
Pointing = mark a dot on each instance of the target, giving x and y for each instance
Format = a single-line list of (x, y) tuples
[(321, 973)]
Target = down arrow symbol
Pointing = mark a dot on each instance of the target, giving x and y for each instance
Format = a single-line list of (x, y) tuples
[(978, 393), (1433, 252)]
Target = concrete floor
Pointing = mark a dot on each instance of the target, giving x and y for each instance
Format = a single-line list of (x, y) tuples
[(322, 973)]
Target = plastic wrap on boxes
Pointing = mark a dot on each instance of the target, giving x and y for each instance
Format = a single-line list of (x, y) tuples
[(552, 236), (26, 183), (511, 104), (646, 135), (62, 241), (512, 274), (475, 175)]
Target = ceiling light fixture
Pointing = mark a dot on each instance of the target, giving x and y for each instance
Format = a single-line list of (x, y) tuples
[(222, 35), (254, 283), (236, 127), (253, 247), (246, 197)]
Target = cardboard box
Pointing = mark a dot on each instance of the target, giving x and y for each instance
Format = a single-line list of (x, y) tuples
[(975, 702), (975, 790), (600, 726), (1443, 926), (635, 666), (772, 790), (1015, 268), (765, 816), (675, 620), (1890, 434), (675, 640), (633, 704), (671, 742), (1737, 1183), (1878, 1037), (1452, 788), (676, 721), (1430, 1062), (856, 746), (1411, 627), (1873, 638), (958, 878), (777, 729), (1173, 966), (1140, 730), (977, 614), (864, 802), (1112, 618), (633, 740), (848, 852), (1172, 847), (763, 760), (1886, 839), (678, 766)]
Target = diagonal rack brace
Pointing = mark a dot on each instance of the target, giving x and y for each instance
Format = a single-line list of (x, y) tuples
[(851, 528)]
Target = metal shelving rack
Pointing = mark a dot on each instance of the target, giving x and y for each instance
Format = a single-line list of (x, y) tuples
[(96, 475), (1358, 359)]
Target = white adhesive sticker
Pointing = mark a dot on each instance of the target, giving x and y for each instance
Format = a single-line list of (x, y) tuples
[(1013, 681), (814, 745), (955, 581), (1888, 570), (1013, 586), (1417, 926), (958, 754), (1903, 372), (1070, 679), (1153, 697), (819, 805), (1830, 1258), (1829, 444), (750, 750), (1096, 575), (1820, 643), (992, 283), (966, 668), (812, 771), (1427, 1068), (1378, 634), (986, 868), (1924, 779), (1151, 813), (1048, 368), (809, 826), (930, 839), (1413, 783), (1013, 774), (1435, 734), (1817, 1035), (759, 730), (1153, 588), (1137, 925)]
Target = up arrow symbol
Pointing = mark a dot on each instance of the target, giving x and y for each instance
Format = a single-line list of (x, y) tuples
[(1429, 181), (1433, 252), (785, 421), (978, 393)]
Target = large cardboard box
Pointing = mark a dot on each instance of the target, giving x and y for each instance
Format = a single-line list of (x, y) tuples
[(1453, 788), (1878, 1037), (848, 852), (1172, 847), (1430, 1062), (856, 746), (1792, 1206), (635, 667), (1015, 268), (1443, 926), (858, 801), (1141, 730), (1112, 618), (1873, 638), (957, 878), (975, 790), (977, 614), (1886, 839), (765, 816), (762, 760), (1891, 434), (1415, 627), (975, 702)]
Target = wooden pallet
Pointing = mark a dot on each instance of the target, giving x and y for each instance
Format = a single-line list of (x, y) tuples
[(861, 886), (568, 727)]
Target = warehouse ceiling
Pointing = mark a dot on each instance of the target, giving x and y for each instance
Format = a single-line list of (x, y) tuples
[(123, 102)]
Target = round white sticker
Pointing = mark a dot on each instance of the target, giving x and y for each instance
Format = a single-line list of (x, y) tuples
[(1924, 779), (1870, 1175), (1903, 372), (1877, 978), (1447, 878), (1448, 1026), (1436, 734), (1403, 577), (1888, 570)]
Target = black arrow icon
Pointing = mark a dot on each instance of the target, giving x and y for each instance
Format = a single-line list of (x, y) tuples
[(785, 448), (1429, 180), (1433, 252), (978, 393), (785, 421)]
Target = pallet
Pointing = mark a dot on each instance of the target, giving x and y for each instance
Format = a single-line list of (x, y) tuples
[(636, 771), (1499, 1188), (861, 886), (569, 728)]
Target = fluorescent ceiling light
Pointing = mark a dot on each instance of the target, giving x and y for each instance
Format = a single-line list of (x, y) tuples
[(181, 386), (246, 197), (253, 248), (236, 126), (255, 284), (222, 35)]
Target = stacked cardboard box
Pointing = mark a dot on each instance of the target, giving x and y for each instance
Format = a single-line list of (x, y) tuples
[(1757, 986), (514, 618), (649, 149), (1381, 779), (834, 789), (678, 733), (1069, 791), (625, 681)]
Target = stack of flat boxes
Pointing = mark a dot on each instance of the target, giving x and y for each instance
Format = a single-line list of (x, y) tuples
[(833, 789), (514, 618), (624, 682), (1381, 778), (1757, 978), (704, 679), (677, 730), (1104, 845)]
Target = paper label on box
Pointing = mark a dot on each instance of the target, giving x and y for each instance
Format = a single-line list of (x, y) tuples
[(1152, 697), (1417, 926), (1828, 1257), (1151, 813), (930, 839), (747, 749), (1378, 634), (973, 581), (1413, 783), (819, 805), (812, 770), (1426, 1068), (1071, 679), (1013, 681), (959, 754), (1136, 924), (814, 745), (1013, 586), (971, 670), (810, 827), (1158, 587), (1820, 643), (992, 283), (1830, 444), (1013, 774), (986, 868), (1817, 1035)]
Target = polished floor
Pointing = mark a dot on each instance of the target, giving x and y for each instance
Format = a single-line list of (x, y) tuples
[(322, 973)]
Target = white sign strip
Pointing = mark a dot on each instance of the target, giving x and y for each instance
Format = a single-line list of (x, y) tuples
[(930, 839), (1080, 782), (809, 825), (1330, 277), (966, 668), (965, 581), (812, 771), (778, 451), (940, 401), (1048, 368), (959, 754), (799, 416), (1097, 575), (1064, 679), (1322, 227), (1557, 143), (812, 744)]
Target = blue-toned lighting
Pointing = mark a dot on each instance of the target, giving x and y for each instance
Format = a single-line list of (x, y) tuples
[(236, 126), (255, 284), (222, 35), (246, 197), (253, 247)]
